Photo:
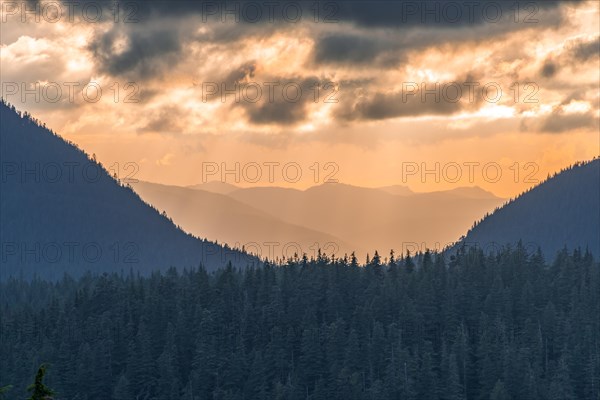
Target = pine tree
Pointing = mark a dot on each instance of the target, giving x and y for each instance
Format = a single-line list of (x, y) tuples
[(38, 389)]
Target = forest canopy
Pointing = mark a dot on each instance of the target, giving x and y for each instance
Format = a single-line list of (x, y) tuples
[(502, 326)]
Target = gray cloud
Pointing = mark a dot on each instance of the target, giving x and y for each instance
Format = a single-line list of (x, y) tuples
[(288, 103), (166, 121), (374, 13), (236, 79), (265, 99), (147, 53), (358, 39), (412, 102), (353, 48), (384, 106), (549, 69), (436, 14), (558, 122), (367, 42), (245, 71), (574, 54), (583, 51)]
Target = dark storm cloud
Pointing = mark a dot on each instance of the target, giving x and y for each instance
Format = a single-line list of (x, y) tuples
[(444, 14), (370, 14), (584, 51), (235, 80), (411, 101), (414, 25), (366, 41), (384, 106), (145, 54), (549, 69), (275, 113), (575, 53), (267, 100), (384, 49), (166, 121), (558, 122), (355, 49), (244, 72), (288, 103), (376, 33)]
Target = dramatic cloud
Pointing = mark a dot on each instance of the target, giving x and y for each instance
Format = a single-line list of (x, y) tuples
[(415, 99), (354, 48), (384, 106), (143, 52), (584, 51), (572, 114), (225, 76), (559, 122), (436, 14), (284, 101), (166, 120), (549, 69), (573, 54)]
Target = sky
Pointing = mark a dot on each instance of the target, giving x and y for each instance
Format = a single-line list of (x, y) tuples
[(431, 95)]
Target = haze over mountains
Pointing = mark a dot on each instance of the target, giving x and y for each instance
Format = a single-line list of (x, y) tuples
[(563, 211), (335, 217), (215, 187), (62, 212), (228, 220)]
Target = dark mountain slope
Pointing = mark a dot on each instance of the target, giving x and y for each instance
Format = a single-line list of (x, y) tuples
[(562, 211), (62, 212)]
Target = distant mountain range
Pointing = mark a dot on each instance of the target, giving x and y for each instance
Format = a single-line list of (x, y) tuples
[(215, 187), (228, 220), (334, 217), (563, 211), (61, 211)]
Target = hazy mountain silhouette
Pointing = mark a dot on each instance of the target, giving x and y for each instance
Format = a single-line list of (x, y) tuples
[(227, 220), (473, 192), (372, 218), (562, 211), (61, 212), (215, 187), (397, 189), (335, 217)]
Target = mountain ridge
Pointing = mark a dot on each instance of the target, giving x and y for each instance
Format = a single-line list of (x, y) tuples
[(562, 211), (228, 220), (62, 212)]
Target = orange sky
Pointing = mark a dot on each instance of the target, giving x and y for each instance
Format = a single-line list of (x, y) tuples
[(369, 125)]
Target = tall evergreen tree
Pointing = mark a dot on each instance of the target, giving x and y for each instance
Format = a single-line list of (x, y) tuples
[(39, 391)]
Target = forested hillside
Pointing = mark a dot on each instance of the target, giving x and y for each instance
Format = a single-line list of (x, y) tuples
[(562, 211), (62, 212), (505, 326)]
